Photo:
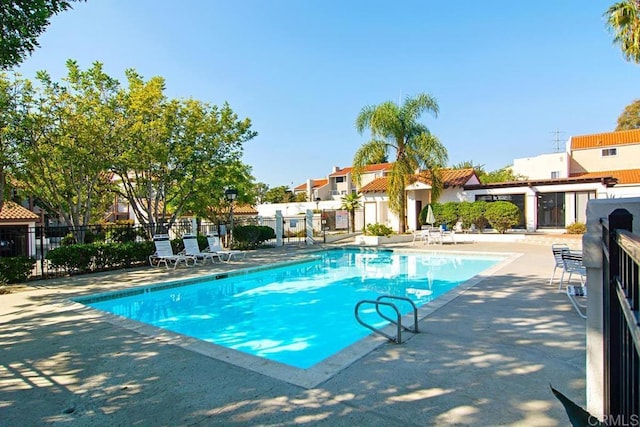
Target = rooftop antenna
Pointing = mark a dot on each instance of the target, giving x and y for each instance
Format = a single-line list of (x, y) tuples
[(556, 140)]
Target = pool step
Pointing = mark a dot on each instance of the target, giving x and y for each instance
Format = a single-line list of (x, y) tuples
[(398, 322)]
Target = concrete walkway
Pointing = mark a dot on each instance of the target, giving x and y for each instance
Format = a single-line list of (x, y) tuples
[(485, 358)]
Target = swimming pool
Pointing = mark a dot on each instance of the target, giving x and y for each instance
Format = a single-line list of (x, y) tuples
[(298, 314)]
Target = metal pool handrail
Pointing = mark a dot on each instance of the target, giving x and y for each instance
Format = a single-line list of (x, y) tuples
[(398, 322)]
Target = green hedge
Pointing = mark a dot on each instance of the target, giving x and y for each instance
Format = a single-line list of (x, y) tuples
[(15, 269), (86, 258), (252, 236)]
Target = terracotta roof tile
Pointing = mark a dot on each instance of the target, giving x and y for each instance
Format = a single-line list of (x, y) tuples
[(607, 139), (378, 185), (450, 178), (626, 176), (244, 210), (368, 168), (12, 211), (315, 183)]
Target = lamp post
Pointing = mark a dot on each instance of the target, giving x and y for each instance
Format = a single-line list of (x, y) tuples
[(230, 194)]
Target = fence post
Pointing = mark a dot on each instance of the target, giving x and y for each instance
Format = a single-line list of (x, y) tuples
[(309, 226), (279, 228)]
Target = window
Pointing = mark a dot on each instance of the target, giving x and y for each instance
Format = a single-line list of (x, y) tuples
[(607, 152), (555, 174), (339, 178)]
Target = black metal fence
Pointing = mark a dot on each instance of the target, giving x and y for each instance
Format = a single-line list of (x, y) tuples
[(36, 242), (621, 315)]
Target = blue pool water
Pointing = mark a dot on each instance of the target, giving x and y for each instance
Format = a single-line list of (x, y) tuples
[(302, 313)]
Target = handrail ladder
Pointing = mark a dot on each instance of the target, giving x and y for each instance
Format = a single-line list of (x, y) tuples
[(398, 322)]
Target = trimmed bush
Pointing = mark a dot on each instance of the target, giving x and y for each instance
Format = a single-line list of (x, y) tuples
[(15, 269), (378, 230), (73, 259), (252, 236), (445, 213), (576, 228), (78, 259), (502, 215), (473, 213)]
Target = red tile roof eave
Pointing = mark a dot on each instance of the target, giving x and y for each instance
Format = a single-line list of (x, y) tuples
[(13, 212)]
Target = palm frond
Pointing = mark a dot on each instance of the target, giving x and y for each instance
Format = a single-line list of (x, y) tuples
[(365, 155)]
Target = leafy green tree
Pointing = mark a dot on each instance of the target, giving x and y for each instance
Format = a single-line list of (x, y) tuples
[(21, 24), (177, 153), (630, 117), (501, 175), (396, 129), (350, 203), (280, 194), (502, 215), (259, 191), (623, 20), (68, 143), (15, 100)]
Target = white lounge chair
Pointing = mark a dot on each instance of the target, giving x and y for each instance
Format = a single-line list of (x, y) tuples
[(216, 247), (164, 253), (191, 248)]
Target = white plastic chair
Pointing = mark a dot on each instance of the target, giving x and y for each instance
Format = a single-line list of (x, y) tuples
[(164, 253), (572, 264)]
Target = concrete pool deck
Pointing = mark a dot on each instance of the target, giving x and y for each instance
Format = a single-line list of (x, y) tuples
[(486, 357)]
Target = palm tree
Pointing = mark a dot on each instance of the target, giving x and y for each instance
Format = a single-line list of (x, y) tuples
[(350, 203), (623, 20), (395, 128)]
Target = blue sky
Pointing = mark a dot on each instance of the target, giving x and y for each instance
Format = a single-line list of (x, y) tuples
[(506, 74)]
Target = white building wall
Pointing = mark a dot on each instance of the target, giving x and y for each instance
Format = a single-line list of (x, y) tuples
[(591, 160), (542, 166)]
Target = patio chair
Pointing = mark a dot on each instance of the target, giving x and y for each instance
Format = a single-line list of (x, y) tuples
[(572, 264), (557, 249), (577, 295), (191, 248), (434, 235), (164, 253), (420, 235), (216, 247)]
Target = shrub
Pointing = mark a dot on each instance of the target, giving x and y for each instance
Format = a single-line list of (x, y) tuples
[(72, 258), (446, 213), (15, 269), (576, 228), (78, 259), (252, 236), (502, 215), (378, 230)]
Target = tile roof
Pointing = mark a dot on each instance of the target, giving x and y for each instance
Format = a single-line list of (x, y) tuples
[(12, 211), (378, 185), (368, 168), (315, 183), (626, 176), (244, 210), (450, 178), (606, 139)]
